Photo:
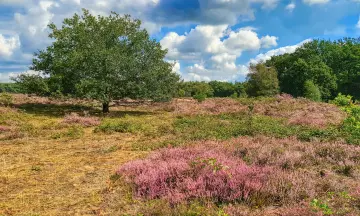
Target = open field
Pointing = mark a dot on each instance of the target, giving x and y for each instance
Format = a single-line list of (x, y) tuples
[(66, 158)]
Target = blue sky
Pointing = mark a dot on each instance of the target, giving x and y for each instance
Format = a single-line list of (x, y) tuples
[(206, 39)]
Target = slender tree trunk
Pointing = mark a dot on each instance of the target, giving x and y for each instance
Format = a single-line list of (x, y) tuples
[(105, 108)]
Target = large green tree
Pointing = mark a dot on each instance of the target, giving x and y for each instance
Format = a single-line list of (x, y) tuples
[(105, 58)]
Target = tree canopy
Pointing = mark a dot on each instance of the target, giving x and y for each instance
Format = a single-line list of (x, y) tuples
[(105, 58), (333, 66), (262, 81)]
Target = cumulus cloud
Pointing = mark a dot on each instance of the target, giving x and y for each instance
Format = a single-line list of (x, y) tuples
[(312, 2), (209, 40), (241, 40), (275, 52), (358, 24), (14, 2), (7, 77), (8, 45), (213, 51), (268, 41)]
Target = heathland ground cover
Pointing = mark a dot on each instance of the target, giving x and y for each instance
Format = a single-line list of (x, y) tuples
[(222, 156)]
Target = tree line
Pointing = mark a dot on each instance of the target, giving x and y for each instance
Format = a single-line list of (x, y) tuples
[(112, 57), (318, 70)]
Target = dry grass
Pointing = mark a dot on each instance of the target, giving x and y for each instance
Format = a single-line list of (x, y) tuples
[(48, 177), (87, 121), (302, 112)]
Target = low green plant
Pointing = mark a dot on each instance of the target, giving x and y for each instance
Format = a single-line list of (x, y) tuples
[(6, 99), (351, 125), (36, 168), (234, 95), (74, 132), (226, 126), (334, 203), (181, 93), (113, 148), (342, 100), (120, 127), (323, 207)]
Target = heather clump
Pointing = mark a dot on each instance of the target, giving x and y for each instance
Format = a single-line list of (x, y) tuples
[(87, 121), (186, 173), (208, 106), (300, 111)]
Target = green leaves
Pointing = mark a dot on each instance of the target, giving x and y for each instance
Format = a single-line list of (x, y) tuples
[(334, 66), (262, 81), (106, 58), (311, 91)]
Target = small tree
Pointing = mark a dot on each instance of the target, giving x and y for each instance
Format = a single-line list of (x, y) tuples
[(106, 58), (312, 91), (262, 81), (32, 84)]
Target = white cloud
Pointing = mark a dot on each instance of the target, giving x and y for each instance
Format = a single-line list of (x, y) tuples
[(8, 45), (358, 24), (32, 26), (213, 50), (275, 52), (6, 77), (241, 40), (176, 68), (290, 7), (268, 41), (312, 2), (14, 2)]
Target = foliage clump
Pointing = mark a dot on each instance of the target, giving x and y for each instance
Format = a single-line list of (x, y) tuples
[(102, 58), (262, 81), (312, 91), (351, 125)]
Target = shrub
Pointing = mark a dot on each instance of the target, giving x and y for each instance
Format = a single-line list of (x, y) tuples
[(6, 99), (351, 125), (312, 91), (188, 173), (234, 95), (86, 121), (120, 127), (200, 97), (342, 100), (181, 93)]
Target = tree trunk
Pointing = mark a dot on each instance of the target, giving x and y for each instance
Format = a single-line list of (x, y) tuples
[(105, 108)]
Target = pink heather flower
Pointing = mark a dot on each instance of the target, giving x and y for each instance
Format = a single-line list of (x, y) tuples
[(184, 173)]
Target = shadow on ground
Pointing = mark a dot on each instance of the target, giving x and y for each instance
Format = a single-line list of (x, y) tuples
[(59, 110)]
